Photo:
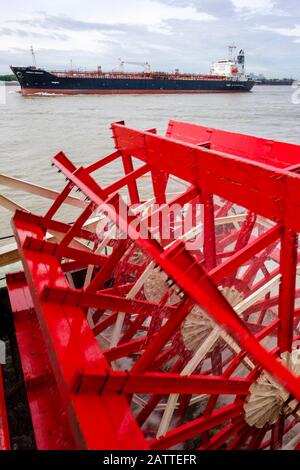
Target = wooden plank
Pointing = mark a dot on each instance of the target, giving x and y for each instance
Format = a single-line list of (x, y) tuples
[(41, 191), (9, 253)]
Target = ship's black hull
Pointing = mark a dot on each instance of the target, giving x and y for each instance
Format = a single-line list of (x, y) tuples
[(35, 81)]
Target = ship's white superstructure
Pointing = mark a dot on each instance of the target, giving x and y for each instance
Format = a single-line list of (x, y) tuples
[(232, 68)]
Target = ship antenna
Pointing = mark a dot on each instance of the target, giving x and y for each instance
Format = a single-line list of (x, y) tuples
[(33, 56)]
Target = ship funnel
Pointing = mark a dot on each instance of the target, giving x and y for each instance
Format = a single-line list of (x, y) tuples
[(241, 57)]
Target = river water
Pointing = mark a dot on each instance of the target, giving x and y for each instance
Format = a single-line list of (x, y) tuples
[(33, 129)]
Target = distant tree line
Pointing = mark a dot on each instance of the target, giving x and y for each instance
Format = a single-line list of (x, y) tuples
[(275, 81), (7, 78)]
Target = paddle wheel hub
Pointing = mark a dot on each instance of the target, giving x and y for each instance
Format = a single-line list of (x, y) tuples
[(198, 325), (268, 400), (166, 315)]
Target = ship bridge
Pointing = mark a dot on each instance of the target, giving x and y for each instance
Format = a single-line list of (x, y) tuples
[(231, 68)]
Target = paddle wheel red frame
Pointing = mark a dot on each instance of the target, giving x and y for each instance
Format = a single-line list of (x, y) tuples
[(183, 332)]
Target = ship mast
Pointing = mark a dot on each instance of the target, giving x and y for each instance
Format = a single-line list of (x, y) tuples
[(232, 48), (33, 56)]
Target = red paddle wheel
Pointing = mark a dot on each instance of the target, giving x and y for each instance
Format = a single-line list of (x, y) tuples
[(173, 322)]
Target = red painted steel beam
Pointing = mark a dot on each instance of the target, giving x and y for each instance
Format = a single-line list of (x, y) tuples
[(288, 266), (235, 363), (181, 200), (54, 225), (159, 183), (71, 345), (159, 383), (258, 263), (223, 435), (162, 338), (105, 322), (239, 440), (105, 272), (256, 440), (243, 240), (196, 427), (103, 162), (278, 154), (126, 349), (245, 254), (277, 434), (261, 188), (99, 300), (59, 201), (50, 423), (209, 242), (132, 184), (127, 180), (73, 229), (82, 256), (287, 428)]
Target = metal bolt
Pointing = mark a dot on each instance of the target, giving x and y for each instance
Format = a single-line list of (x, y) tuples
[(170, 282)]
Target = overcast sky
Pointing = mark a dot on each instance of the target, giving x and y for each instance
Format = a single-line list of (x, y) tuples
[(184, 34)]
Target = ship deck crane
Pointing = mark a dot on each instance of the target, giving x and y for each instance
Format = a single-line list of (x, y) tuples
[(146, 65)]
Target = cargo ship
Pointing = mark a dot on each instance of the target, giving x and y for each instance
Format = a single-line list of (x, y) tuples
[(225, 76)]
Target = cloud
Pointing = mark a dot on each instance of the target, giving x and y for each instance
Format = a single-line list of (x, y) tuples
[(24, 33), (145, 12), (65, 23), (288, 32), (153, 17), (263, 7), (149, 32), (214, 7)]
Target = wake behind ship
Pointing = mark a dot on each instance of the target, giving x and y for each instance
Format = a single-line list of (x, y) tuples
[(225, 76)]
